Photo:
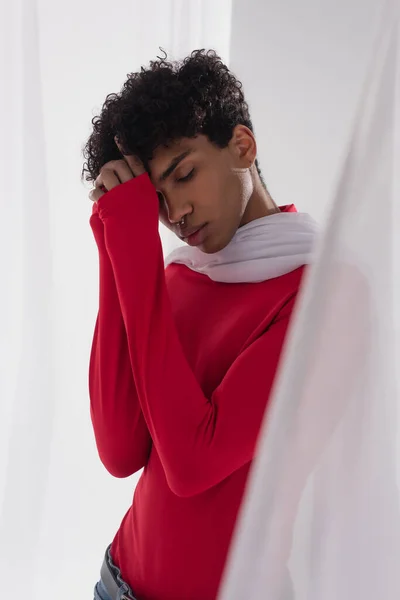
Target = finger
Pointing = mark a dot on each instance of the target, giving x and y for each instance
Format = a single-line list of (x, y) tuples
[(100, 185), (123, 171), (107, 177), (135, 164), (95, 194), (120, 168)]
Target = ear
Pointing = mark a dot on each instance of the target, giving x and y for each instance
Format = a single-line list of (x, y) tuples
[(244, 146)]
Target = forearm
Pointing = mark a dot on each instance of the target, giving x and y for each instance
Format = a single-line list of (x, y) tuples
[(122, 437)]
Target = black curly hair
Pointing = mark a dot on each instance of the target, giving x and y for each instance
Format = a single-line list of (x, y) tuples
[(166, 102)]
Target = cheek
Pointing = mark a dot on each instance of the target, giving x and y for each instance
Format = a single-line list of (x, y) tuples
[(221, 194)]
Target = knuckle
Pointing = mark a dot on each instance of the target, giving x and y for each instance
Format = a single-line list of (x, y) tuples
[(111, 164), (94, 195)]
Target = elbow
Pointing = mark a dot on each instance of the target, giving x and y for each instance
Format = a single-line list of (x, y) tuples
[(189, 482), (120, 473), (183, 489), (121, 470), (197, 475), (122, 465), (122, 456)]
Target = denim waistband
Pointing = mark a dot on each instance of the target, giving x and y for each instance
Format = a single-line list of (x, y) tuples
[(112, 580)]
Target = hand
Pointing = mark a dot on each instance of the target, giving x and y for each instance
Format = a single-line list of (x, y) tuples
[(115, 173)]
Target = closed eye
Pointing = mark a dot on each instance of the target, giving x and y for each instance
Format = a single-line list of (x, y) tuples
[(187, 177)]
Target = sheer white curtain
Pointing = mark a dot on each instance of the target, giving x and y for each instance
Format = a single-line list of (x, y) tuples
[(323, 503), (58, 507)]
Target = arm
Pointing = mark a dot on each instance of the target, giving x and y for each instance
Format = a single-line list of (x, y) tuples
[(200, 440), (123, 440)]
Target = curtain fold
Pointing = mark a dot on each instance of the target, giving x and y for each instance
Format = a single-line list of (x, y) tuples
[(321, 518), (27, 380), (59, 508)]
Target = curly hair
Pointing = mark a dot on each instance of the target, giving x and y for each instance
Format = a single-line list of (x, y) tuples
[(164, 103)]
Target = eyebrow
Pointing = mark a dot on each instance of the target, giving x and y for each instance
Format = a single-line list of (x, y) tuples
[(174, 163)]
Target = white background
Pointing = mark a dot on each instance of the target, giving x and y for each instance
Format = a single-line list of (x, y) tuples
[(302, 65)]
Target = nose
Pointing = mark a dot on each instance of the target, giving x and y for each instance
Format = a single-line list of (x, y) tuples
[(175, 212)]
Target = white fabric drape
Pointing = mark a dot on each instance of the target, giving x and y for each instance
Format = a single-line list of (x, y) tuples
[(263, 249), (27, 366), (58, 506), (322, 509)]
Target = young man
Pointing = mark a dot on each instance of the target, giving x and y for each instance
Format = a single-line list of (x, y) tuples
[(184, 359)]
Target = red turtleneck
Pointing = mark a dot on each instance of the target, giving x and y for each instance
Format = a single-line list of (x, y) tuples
[(181, 372)]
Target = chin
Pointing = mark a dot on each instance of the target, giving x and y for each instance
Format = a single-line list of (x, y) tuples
[(212, 245)]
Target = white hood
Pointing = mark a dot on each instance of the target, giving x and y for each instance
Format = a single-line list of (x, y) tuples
[(263, 249)]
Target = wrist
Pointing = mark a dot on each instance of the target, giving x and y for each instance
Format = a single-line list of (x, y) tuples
[(136, 197)]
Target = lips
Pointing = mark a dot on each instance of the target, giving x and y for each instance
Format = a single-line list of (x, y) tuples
[(186, 233), (193, 236)]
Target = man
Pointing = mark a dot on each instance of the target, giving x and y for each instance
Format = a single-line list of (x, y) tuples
[(184, 359)]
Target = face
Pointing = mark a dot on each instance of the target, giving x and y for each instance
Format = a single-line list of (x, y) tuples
[(208, 187)]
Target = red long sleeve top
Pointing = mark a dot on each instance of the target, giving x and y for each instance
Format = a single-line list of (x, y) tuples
[(181, 371)]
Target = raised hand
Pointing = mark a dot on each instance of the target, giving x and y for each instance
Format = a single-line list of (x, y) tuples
[(115, 173)]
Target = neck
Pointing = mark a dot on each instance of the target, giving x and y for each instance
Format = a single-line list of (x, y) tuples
[(260, 204)]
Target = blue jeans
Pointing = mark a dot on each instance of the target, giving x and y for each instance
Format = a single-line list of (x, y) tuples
[(100, 590)]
